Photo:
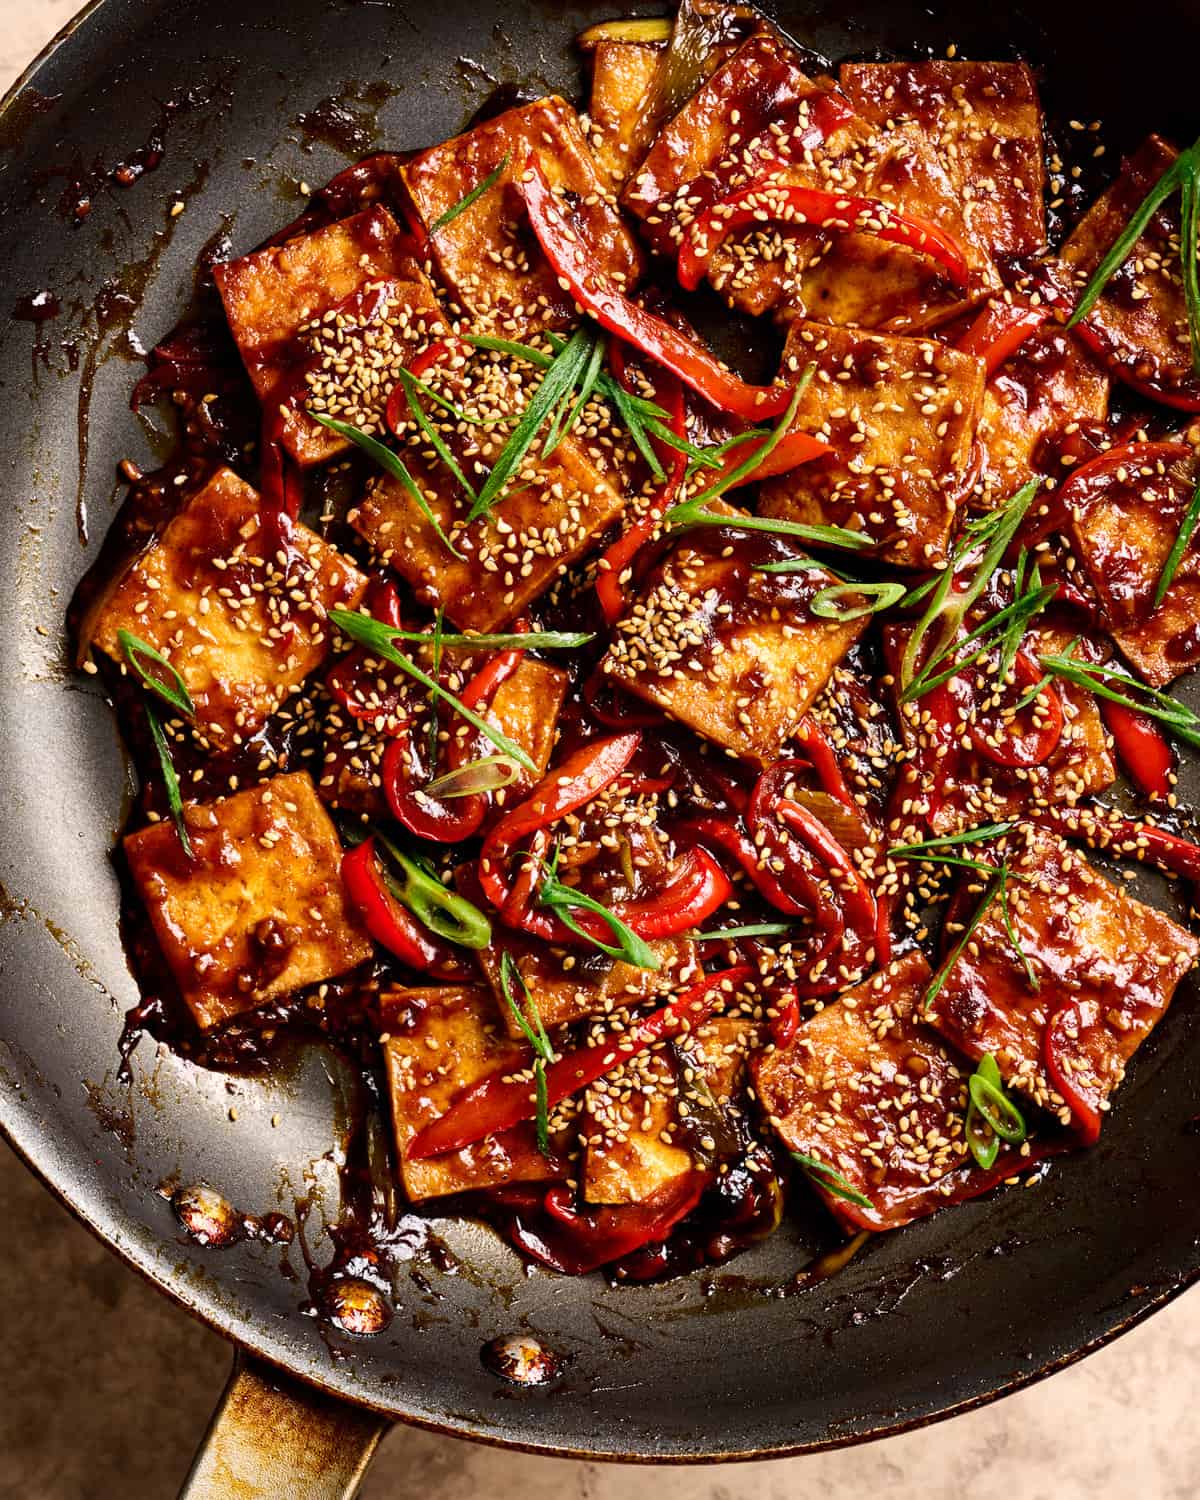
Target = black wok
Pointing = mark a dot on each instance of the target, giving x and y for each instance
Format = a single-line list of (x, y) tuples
[(950, 1312)]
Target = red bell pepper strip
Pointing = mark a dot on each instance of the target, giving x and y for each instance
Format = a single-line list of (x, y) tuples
[(697, 888), (734, 841), (1127, 455), (786, 1021), (999, 331), (825, 762), (1143, 751), (1127, 838), (279, 484), (1006, 746), (440, 352), (498, 1102), (387, 922), (1181, 399), (356, 687), (770, 197), (859, 902), (576, 266), (580, 778), (1065, 1026), (574, 1240)]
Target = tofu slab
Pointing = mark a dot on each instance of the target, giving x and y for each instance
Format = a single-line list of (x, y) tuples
[(1123, 527), (547, 517), (635, 1121), (259, 910), (622, 75), (1050, 383), (986, 121), (1139, 324), (437, 1042), (733, 652), (242, 628), (870, 1091), (901, 416), (486, 254), (281, 301), (758, 113), (1089, 943)]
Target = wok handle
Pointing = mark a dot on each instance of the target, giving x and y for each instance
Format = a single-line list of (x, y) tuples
[(272, 1438)]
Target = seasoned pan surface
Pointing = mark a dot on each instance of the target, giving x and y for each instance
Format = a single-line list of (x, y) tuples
[(225, 109)]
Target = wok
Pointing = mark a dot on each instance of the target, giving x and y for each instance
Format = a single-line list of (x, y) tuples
[(245, 100)]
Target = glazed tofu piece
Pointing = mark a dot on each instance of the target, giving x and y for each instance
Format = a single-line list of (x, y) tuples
[(1139, 324), (241, 627), (1123, 526), (525, 707), (486, 254), (867, 1089), (623, 73), (900, 415), (1090, 945), (985, 119), (546, 518), (258, 910), (760, 114), (645, 1124), (1050, 384), (567, 985), (351, 295), (437, 1042), (732, 651), (972, 790)]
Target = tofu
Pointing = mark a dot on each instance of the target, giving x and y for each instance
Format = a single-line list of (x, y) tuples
[(568, 985), (259, 910), (486, 254), (757, 114), (1123, 526), (1139, 324), (212, 596), (971, 790), (525, 707), (870, 1091), (278, 301), (623, 73), (734, 653), (1050, 384), (985, 119), (547, 518), (436, 1043), (643, 1123), (896, 474), (1089, 943)]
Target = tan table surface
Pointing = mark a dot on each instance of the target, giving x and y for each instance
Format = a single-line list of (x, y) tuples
[(105, 1387)]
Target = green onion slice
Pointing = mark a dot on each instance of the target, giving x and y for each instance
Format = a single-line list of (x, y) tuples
[(477, 192), (172, 689), (827, 604), (830, 1179), (170, 779), (487, 775), (563, 899), (443, 911), (1187, 529)]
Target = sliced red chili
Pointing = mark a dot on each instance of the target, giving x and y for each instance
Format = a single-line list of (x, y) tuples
[(999, 331), (388, 923), (1143, 750), (498, 1102), (578, 268), (1063, 1027), (771, 197)]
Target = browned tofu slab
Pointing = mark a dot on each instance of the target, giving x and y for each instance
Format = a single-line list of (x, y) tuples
[(547, 517), (900, 415), (622, 75), (259, 909), (437, 1042), (1090, 944), (486, 255), (1123, 529), (986, 121), (525, 707), (869, 1090), (242, 628), (756, 114), (971, 790), (567, 985), (642, 1124), (733, 652), (355, 275), (1050, 383), (1139, 325)]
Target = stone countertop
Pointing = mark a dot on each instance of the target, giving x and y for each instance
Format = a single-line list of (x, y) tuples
[(107, 1387)]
